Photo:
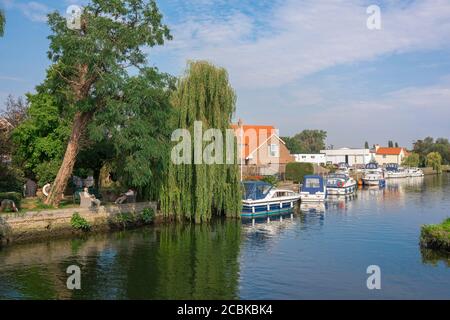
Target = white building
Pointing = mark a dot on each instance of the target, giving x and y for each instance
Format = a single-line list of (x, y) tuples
[(347, 155), (317, 158)]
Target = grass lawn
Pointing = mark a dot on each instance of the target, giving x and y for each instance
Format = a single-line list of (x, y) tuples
[(436, 236)]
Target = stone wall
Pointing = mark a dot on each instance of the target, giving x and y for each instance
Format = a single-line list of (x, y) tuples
[(48, 224)]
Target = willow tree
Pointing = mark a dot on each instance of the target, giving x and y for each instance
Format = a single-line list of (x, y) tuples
[(197, 191), (91, 58)]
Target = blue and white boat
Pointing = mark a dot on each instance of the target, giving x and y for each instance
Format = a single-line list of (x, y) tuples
[(262, 199), (313, 189), (373, 175), (394, 171), (340, 184)]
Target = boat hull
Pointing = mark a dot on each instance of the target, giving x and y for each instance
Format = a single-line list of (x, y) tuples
[(309, 197), (251, 209), (342, 191)]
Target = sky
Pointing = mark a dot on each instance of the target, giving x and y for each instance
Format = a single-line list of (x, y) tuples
[(303, 64)]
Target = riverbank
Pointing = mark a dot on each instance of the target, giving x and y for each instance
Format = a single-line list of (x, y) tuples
[(436, 236), (48, 224)]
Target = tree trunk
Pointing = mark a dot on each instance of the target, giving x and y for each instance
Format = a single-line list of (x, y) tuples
[(65, 171)]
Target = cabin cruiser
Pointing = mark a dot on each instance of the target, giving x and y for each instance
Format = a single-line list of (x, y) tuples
[(394, 171), (340, 184), (373, 175), (414, 172), (343, 168), (313, 189), (262, 199)]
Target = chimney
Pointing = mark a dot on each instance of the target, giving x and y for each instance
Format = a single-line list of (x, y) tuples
[(377, 146)]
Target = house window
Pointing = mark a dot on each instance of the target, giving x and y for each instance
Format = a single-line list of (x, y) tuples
[(273, 150), (384, 156), (313, 157)]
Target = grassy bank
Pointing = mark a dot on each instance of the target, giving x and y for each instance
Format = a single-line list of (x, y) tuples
[(436, 236)]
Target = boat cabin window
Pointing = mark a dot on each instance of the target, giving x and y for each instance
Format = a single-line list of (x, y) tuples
[(312, 183), (282, 194)]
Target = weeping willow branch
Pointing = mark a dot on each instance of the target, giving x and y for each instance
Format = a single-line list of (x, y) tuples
[(198, 191)]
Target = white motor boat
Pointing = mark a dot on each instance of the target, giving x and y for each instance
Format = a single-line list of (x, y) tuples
[(373, 175), (340, 184), (262, 199), (394, 171), (313, 189), (414, 172)]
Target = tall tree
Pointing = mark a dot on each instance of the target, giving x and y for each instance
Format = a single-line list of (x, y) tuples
[(197, 191), (434, 160), (90, 63), (366, 145), (2, 23), (390, 144), (308, 141), (396, 144), (413, 160)]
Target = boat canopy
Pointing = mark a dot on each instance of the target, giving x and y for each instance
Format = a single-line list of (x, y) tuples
[(313, 184), (255, 190), (392, 167), (372, 165), (338, 176)]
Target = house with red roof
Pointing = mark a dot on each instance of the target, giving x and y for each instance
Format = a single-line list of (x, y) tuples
[(261, 149), (384, 155)]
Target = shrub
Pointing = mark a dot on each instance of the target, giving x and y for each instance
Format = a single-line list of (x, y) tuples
[(11, 179), (148, 214), (14, 196), (124, 219), (79, 223), (295, 171)]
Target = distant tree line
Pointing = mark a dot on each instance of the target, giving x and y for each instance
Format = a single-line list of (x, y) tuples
[(307, 141)]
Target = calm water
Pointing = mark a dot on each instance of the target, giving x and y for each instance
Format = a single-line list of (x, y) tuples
[(314, 255)]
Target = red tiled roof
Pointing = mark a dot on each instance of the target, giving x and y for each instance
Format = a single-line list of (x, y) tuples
[(389, 151), (257, 134)]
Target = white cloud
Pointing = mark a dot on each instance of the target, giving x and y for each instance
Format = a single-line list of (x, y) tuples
[(306, 37), (35, 11)]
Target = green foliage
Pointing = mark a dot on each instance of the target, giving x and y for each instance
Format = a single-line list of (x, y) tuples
[(413, 160), (295, 171), (139, 144), (196, 192), (148, 214), (307, 141), (125, 218), (40, 140), (14, 196), (427, 145), (11, 179), (366, 145), (273, 180), (434, 160), (436, 236), (79, 223)]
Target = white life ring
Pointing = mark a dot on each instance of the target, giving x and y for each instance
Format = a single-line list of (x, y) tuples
[(46, 189)]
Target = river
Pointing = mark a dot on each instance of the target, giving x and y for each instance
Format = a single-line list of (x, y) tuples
[(320, 253)]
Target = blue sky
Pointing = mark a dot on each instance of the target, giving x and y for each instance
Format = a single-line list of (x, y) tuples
[(303, 64)]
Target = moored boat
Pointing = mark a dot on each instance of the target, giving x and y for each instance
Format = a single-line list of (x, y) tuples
[(313, 189), (263, 199), (394, 171), (414, 172), (341, 184), (373, 175)]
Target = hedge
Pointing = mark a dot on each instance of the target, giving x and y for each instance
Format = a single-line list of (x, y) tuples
[(14, 196), (295, 171)]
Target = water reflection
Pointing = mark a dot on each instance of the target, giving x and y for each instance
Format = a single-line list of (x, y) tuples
[(170, 262)]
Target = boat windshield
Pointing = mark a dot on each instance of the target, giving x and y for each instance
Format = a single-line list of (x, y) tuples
[(255, 190), (312, 183)]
